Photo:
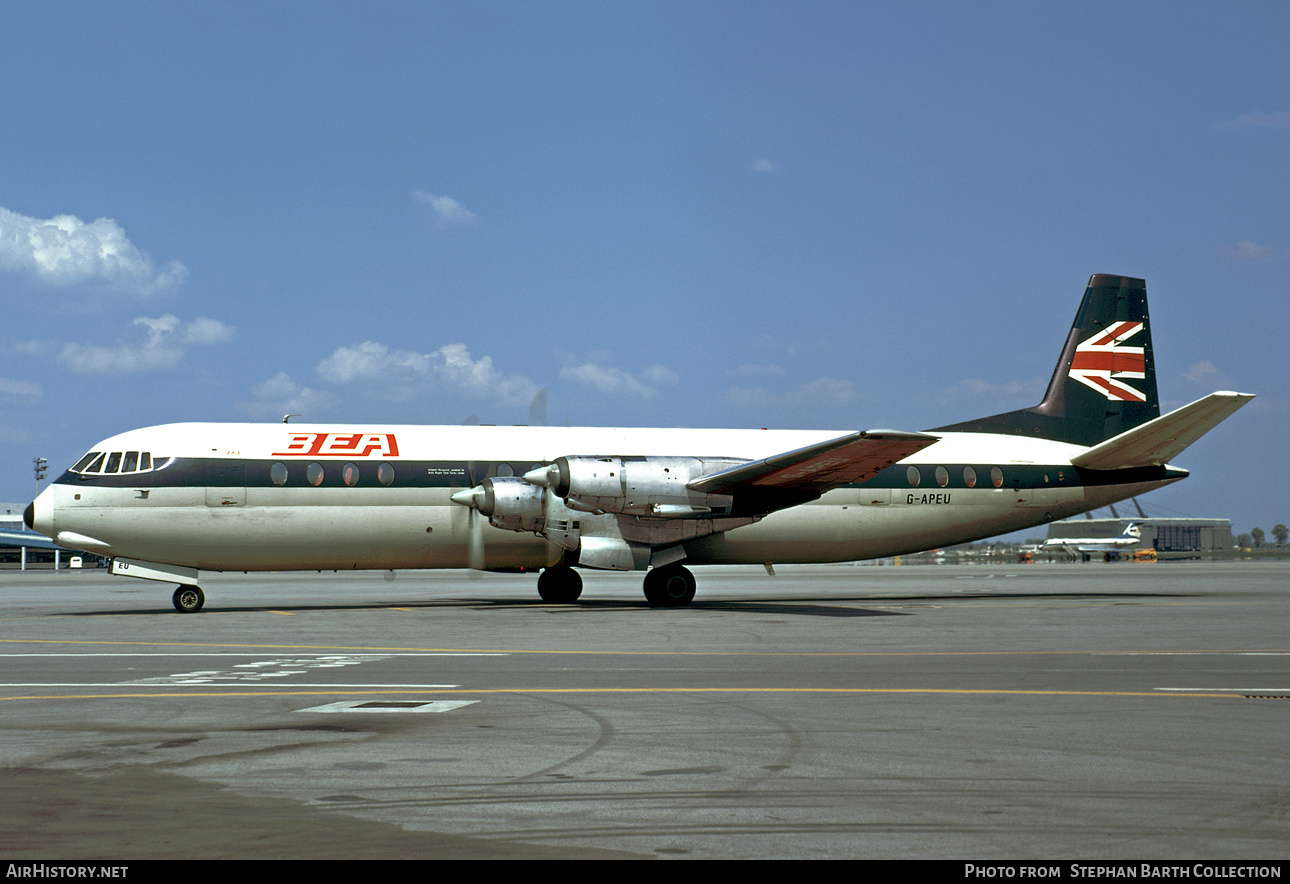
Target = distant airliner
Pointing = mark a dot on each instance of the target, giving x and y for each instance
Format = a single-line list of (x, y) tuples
[(1131, 538), (166, 501)]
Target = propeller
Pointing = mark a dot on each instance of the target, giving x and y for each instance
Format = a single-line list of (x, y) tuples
[(537, 409), (475, 541), (470, 498)]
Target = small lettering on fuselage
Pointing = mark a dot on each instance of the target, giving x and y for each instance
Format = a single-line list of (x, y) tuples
[(928, 498), (340, 445)]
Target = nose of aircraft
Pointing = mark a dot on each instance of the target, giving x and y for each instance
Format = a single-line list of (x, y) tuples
[(39, 514)]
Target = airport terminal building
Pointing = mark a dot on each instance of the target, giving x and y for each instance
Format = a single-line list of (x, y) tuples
[(22, 550), (1162, 535)]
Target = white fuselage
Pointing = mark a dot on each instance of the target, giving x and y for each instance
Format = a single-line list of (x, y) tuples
[(211, 497)]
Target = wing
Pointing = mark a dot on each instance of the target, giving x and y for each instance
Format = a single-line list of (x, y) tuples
[(809, 472)]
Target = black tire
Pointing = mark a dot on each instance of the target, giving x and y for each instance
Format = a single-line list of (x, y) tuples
[(560, 585), (671, 586), (189, 599)]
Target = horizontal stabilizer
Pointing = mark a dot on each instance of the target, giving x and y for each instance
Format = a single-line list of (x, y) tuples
[(1160, 440), (845, 460)]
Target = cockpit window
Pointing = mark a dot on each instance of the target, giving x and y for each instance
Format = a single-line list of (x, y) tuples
[(85, 461), (114, 462)]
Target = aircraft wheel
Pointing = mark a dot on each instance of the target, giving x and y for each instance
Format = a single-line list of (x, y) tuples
[(560, 585), (189, 599), (671, 586)]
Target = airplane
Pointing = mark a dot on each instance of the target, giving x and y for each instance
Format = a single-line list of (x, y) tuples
[(168, 501), (1131, 538)]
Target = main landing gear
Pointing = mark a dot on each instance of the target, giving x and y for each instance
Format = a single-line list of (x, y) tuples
[(670, 586), (189, 599)]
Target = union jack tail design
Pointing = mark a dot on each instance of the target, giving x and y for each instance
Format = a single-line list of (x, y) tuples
[(1101, 386), (1102, 362)]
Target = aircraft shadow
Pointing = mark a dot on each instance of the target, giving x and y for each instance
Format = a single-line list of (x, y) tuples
[(833, 606), (590, 605)]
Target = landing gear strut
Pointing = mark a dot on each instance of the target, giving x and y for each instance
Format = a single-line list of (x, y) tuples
[(670, 586), (189, 599), (560, 585)]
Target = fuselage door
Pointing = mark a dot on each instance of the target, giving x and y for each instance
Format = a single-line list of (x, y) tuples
[(227, 483)]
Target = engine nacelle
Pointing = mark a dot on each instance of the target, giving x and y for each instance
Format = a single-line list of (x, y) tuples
[(647, 486), (512, 504)]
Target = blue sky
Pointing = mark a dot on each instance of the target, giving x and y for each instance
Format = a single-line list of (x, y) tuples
[(808, 215)]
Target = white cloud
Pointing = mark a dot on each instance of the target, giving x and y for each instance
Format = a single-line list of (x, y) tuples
[(1247, 251), (824, 392), (167, 340), (764, 370), (65, 250), (750, 398), (661, 374), (404, 372), (608, 379), (982, 391), (28, 348), (11, 430), (207, 331), (1274, 120), (1201, 372), (448, 212), (20, 391), (280, 395), (763, 165)]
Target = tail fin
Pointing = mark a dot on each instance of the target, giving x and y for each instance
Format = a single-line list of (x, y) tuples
[(1105, 380)]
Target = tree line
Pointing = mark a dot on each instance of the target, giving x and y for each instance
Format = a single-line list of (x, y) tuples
[(1256, 538)]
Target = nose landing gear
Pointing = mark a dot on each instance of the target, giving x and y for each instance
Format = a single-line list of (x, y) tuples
[(560, 585), (189, 599)]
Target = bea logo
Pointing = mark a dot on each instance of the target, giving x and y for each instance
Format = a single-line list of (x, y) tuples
[(340, 445)]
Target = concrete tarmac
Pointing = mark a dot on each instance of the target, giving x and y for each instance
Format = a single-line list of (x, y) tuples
[(1096, 711)]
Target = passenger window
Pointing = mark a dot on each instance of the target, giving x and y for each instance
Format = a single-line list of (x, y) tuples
[(278, 473), (349, 472), (314, 473), (131, 462), (113, 462), (505, 470), (942, 476), (913, 476), (996, 477), (969, 477), (385, 473)]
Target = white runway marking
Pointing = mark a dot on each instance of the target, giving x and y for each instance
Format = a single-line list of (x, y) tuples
[(1229, 690), (391, 706), (259, 672)]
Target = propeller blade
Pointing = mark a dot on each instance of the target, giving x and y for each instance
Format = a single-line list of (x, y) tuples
[(475, 541)]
